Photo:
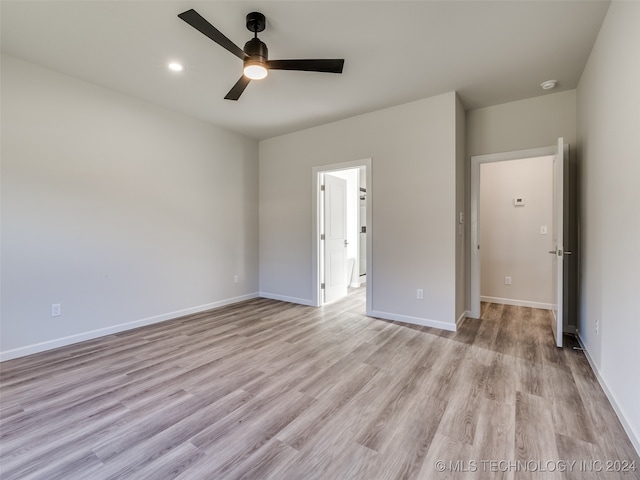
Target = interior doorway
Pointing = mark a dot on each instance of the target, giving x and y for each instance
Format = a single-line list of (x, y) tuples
[(516, 220), (564, 232), (342, 231)]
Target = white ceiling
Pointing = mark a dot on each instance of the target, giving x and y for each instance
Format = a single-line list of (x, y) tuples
[(490, 52)]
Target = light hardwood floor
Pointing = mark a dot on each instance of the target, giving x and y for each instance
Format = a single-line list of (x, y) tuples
[(271, 390)]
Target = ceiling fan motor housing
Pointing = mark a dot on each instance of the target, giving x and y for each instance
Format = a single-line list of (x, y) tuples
[(256, 50)]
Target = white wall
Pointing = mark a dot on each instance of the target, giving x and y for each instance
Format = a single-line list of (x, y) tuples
[(123, 212), (531, 123), (412, 198), (510, 235), (609, 151)]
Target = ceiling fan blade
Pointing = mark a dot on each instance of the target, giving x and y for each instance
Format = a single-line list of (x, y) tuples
[(238, 88), (194, 19), (313, 65)]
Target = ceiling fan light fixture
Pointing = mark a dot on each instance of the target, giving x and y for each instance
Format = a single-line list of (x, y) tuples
[(176, 67), (255, 70)]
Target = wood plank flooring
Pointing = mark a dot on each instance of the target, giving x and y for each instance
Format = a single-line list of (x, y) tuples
[(271, 390)]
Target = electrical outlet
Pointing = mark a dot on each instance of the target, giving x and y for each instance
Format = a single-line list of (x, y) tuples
[(56, 310), (597, 327), (420, 294), (236, 279), (507, 280)]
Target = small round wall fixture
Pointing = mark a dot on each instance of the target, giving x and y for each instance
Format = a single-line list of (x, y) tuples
[(549, 84)]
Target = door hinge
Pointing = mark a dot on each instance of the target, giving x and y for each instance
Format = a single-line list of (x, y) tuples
[(322, 286), (322, 236), (322, 188)]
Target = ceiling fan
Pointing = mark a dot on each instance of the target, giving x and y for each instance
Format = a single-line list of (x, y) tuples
[(255, 54)]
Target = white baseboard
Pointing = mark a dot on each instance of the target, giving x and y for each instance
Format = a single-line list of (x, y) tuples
[(633, 435), (101, 332), (516, 303), (284, 298), (413, 320)]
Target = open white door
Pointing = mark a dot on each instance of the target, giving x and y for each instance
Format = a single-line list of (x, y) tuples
[(558, 242), (335, 238)]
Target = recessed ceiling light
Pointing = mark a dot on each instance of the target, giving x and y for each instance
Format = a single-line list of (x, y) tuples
[(176, 67), (549, 84)]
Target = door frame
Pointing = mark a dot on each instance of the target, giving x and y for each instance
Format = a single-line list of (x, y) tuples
[(315, 227), (474, 252)]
